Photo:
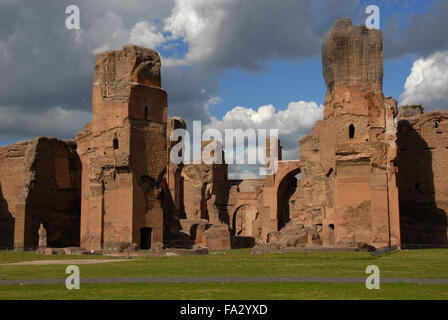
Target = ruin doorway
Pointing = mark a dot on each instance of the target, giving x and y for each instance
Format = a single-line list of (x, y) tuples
[(6, 224), (115, 144), (331, 234), (286, 189), (351, 131), (244, 219), (145, 238)]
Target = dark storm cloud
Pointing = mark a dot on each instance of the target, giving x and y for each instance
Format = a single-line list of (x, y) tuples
[(46, 71), (323, 13), (423, 35), (245, 34), (188, 90), (40, 63)]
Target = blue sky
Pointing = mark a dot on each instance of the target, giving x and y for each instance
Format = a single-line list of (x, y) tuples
[(284, 81), (281, 83), (217, 55)]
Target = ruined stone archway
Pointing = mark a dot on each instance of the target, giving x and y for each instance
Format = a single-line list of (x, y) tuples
[(286, 188), (244, 221), (285, 169), (331, 235)]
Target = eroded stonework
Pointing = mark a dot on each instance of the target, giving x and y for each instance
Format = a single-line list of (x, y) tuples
[(123, 152), (39, 184), (359, 182), (348, 187), (423, 180)]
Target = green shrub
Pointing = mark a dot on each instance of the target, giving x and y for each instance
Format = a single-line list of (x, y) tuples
[(414, 106)]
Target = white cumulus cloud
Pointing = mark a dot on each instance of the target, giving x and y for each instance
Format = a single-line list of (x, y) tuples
[(146, 35), (237, 33), (292, 123), (428, 82), (107, 33)]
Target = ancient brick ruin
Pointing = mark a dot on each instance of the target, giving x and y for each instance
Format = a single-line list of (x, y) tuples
[(349, 159), (364, 179), (422, 140), (123, 152), (40, 184)]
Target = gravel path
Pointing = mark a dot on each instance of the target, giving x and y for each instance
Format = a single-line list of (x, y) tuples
[(220, 279)]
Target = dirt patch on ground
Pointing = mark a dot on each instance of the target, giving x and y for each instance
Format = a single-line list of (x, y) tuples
[(76, 261)]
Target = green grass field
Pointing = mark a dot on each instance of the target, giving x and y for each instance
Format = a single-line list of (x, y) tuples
[(419, 264), (227, 291)]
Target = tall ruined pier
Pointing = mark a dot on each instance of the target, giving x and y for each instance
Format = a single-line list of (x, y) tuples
[(360, 182), (123, 152), (350, 154)]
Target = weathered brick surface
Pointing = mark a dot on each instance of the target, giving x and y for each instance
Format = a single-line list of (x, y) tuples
[(423, 180), (40, 182), (348, 192), (123, 151), (12, 178)]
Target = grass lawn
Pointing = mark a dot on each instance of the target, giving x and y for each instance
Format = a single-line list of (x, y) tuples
[(404, 264), (227, 291)]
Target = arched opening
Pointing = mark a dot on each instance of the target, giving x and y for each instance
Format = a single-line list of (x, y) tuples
[(286, 189), (436, 125), (145, 238), (331, 234), (146, 113), (115, 144), (351, 131), (244, 221), (6, 224)]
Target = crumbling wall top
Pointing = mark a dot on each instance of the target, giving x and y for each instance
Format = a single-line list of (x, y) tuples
[(410, 111), (115, 70), (353, 56)]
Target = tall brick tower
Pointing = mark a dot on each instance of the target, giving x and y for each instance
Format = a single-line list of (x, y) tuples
[(352, 151), (123, 152)]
